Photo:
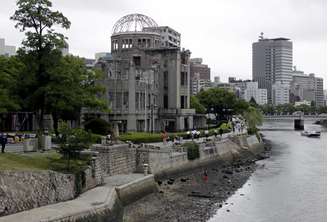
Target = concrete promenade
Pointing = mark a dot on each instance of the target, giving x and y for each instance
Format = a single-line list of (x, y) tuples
[(119, 187), (88, 202)]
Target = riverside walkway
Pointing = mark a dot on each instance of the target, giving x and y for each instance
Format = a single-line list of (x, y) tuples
[(99, 197)]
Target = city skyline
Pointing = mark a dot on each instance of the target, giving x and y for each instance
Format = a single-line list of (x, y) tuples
[(212, 30)]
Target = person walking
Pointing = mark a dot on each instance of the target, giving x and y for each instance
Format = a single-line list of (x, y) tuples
[(216, 133), (193, 134), (233, 127), (221, 132), (205, 176), (3, 141), (164, 137), (206, 134)]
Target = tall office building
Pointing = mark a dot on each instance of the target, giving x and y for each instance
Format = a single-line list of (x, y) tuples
[(280, 93), (239, 85), (319, 94), (307, 88), (6, 50), (200, 76), (272, 63), (252, 91), (217, 79)]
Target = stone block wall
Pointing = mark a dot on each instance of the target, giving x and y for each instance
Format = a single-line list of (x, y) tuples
[(159, 159), (116, 159), (20, 190)]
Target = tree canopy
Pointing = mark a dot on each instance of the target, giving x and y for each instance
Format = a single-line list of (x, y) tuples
[(10, 67), (195, 104), (253, 118), (71, 87), (48, 82), (222, 103), (37, 20)]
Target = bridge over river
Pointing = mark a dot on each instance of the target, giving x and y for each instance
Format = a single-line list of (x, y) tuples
[(292, 117), (286, 122)]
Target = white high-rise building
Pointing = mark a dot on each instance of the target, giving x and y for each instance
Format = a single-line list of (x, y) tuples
[(280, 93), (198, 84), (252, 91), (307, 87), (6, 50), (217, 79), (272, 63)]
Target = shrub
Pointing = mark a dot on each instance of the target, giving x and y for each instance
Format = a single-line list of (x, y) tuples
[(192, 150), (140, 137), (98, 126), (252, 130), (226, 127), (95, 138)]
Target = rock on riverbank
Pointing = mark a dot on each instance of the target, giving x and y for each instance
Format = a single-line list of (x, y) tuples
[(188, 197)]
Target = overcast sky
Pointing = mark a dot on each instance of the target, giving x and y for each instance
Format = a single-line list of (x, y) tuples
[(219, 31)]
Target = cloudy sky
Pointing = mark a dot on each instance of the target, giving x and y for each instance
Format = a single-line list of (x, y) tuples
[(219, 31)]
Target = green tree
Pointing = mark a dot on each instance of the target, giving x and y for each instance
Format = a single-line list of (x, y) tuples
[(304, 108), (37, 20), (253, 102), (10, 67), (195, 104), (322, 109), (72, 86), (72, 141), (313, 108), (253, 118), (221, 103), (267, 109)]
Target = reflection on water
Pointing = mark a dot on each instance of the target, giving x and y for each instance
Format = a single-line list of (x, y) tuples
[(290, 186)]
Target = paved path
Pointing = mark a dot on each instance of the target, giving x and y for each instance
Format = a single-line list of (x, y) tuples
[(87, 201)]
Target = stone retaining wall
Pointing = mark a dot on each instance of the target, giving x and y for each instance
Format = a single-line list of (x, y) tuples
[(167, 162), (20, 190), (116, 159)]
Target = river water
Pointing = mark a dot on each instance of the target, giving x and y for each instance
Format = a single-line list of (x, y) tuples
[(290, 186)]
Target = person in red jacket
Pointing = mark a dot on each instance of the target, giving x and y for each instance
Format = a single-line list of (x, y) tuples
[(205, 176)]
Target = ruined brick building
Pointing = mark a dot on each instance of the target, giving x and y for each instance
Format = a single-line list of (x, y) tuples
[(147, 80)]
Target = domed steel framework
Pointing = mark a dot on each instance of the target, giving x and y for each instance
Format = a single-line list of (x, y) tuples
[(133, 23)]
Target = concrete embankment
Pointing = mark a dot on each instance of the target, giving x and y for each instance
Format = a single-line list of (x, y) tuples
[(106, 203), (184, 195), (224, 151), (101, 204)]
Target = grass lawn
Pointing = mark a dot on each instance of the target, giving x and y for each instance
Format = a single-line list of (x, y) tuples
[(28, 161)]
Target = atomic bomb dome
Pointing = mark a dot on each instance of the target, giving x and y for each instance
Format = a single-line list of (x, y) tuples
[(133, 23)]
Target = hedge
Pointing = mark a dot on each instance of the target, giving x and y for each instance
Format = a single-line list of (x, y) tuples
[(98, 126), (140, 137)]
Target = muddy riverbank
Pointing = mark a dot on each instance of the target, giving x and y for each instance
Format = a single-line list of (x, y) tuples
[(188, 197)]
